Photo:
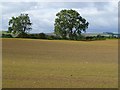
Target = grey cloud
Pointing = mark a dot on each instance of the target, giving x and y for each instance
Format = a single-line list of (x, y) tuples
[(13, 7)]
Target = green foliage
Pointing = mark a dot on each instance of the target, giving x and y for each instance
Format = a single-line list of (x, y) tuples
[(92, 38), (32, 36), (69, 24), (22, 35), (7, 36), (42, 36), (51, 37), (37, 36), (19, 25)]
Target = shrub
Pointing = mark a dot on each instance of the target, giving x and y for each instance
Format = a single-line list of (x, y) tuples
[(22, 35), (92, 38), (51, 37), (41, 36), (7, 36), (37, 36)]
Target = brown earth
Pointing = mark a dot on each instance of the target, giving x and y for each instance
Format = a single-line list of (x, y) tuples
[(34, 63)]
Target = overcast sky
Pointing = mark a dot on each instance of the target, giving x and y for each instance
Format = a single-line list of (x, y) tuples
[(102, 16)]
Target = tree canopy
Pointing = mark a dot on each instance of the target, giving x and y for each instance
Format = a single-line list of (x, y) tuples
[(20, 24), (69, 24)]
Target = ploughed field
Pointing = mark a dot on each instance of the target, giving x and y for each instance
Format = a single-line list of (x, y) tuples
[(30, 63)]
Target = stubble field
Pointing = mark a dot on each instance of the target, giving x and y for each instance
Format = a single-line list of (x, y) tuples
[(31, 63)]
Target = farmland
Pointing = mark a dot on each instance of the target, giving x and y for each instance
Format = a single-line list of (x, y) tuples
[(29, 63)]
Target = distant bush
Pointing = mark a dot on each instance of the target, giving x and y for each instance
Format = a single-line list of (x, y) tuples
[(113, 37), (37, 36), (7, 36), (42, 36), (22, 35), (52, 37), (92, 38), (32, 36), (99, 37)]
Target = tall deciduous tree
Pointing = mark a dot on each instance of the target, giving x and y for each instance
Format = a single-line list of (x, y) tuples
[(70, 24), (20, 25)]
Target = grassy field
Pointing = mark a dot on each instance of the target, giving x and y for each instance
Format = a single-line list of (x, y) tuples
[(31, 63)]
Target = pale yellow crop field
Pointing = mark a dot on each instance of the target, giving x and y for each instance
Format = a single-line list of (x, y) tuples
[(30, 63)]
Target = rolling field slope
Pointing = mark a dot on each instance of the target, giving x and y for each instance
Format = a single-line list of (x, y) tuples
[(31, 63)]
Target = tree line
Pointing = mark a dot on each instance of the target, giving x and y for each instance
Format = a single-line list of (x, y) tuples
[(69, 24)]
